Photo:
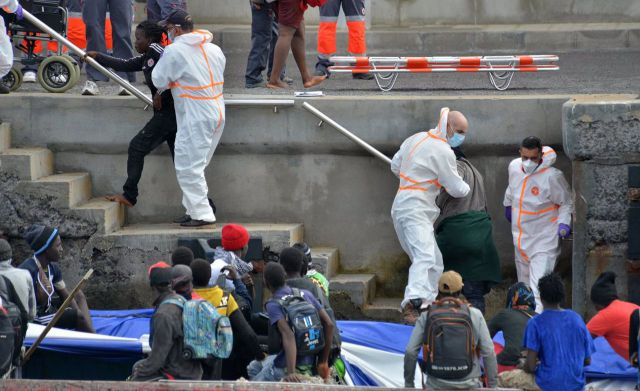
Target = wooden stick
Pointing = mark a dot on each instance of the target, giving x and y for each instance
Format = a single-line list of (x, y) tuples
[(57, 316)]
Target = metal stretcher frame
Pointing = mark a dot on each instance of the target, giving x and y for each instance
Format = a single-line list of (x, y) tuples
[(499, 68)]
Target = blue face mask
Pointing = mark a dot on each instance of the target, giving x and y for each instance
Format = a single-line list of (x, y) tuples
[(456, 140), (171, 36)]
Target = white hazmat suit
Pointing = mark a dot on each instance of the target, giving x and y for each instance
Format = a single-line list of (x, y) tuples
[(540, 202), (193, 68), (6, 50), (424, 164)]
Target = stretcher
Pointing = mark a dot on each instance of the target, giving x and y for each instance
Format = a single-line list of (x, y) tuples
[(499, 68)]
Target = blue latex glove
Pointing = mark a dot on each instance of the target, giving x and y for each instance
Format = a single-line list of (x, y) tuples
[(507, 213), (19, 13), (564, 231)]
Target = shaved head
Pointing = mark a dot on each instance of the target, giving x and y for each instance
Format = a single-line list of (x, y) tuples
[(456, 123)]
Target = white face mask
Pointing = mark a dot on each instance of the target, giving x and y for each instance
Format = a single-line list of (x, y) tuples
[(529, 166)]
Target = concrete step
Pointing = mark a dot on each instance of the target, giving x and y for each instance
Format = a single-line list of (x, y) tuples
[(384, 309), (109, 216), (27, 163), (67, 190), (164, 237), (361, 288), (326, 260), (5, 136)]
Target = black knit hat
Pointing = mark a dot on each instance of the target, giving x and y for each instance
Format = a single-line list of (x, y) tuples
[(40, 238), (603, 291)]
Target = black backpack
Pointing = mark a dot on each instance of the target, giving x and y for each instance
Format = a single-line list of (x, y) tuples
[(305, 323), (13, 326), (448, 347)]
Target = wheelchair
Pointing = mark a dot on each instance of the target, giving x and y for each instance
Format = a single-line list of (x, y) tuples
[(56, 73)]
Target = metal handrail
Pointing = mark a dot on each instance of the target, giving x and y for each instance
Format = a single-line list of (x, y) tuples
[(259, 102), (125, 84), (347, 133)]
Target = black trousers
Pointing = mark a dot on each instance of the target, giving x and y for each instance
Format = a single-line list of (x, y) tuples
[(161, 128)]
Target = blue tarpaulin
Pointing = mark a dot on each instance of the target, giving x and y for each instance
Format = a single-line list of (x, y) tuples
[(363, 342)]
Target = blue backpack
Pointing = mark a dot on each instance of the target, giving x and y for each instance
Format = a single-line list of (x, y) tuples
[(206, 332)]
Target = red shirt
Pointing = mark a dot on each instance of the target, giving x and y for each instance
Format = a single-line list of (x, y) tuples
[(613, 324)]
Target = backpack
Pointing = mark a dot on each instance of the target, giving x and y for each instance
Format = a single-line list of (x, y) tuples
[(13, 326), (448, 344), (305, 323), (206, 332)]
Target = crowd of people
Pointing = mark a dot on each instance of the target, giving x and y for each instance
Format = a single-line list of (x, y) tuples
[(267, 346), (545, 348)]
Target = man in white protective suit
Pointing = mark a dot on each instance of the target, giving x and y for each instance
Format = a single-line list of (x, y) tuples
[(6, 50), (538, 205), (425, 163), (193, 68)]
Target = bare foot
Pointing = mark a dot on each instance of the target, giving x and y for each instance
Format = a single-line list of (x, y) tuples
[(314, 81), (277, 85), (119, 199)]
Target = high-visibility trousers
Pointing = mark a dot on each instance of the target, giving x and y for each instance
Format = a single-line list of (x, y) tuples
[(355, 14), (76, 34)]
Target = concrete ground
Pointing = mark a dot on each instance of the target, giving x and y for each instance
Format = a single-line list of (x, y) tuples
[(580, 72)]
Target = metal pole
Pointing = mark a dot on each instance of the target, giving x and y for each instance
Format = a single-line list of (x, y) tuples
[(347, 133), (56, 317), (125, 84)]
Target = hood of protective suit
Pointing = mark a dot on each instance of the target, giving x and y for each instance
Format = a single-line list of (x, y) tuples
[(549, 157), (195, 38), (440, 130)]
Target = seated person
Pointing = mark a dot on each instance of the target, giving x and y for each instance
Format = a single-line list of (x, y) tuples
[(182, 256), (308, 269), (245, 341), (293, 262), (557, 341), (287, 364), (612, 319), (512, 321), (235, 245), (450, 286), (232, 283), (182, 282), (15, 287), (19, 279), (166, 340), (49, 287)]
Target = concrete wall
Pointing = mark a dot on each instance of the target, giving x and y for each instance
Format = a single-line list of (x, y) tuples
[(603, 140), (397, 13), (280, 167)]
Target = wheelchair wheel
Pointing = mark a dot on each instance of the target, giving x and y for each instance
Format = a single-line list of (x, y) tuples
[(13, 79), (75, 65), (57, 74)]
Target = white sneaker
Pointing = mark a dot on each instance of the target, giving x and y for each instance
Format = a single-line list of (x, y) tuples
[(90, 88), (29, 77), (123, 92)]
